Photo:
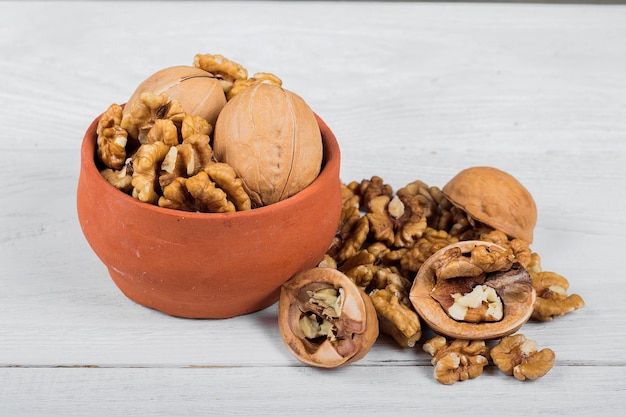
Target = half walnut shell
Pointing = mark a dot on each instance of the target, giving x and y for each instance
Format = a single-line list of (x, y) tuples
[(325, 320), (490, 302), (495, 198)]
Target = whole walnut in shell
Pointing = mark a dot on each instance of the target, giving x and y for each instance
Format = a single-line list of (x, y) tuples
[(199, 92), (495, 198), (271, 138)]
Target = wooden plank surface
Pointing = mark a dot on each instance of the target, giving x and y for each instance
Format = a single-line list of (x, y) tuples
[(412, 91)]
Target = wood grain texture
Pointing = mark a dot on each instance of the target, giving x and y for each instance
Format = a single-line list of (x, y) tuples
[(412, 91)]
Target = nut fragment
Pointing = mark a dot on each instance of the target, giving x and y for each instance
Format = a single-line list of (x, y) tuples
[(515, 355), (227, 71), (112, 138), (146, 165), (552, 298), (259, 77), (395, 318), (396, 222), (433, 298), (141, 114), (215, 189), (495, 198), (324, 319), (121, 179), (458, 360)]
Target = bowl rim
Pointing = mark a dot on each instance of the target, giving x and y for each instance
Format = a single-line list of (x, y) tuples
[(330, 163)]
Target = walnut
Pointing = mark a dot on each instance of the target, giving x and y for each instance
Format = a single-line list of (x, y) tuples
[(396, 222), (367, 190), (197, 193), (431, 241), (141, 114), (216, 189), (325, 320), (260, 77), (163, 130), (122, 178), (362, 275), (495, 198), (227, 71), (515, 355), (226, 178), (452, 308), (552, 298), (440, 213), (458, 360), (270, 136), (395, 318), (146, 166), (518, 247), (477, 304), (192, 125), (186, 159), (112, 138), (453, 263), (360, 258), (348, 240), (353, 242), (197, 92)]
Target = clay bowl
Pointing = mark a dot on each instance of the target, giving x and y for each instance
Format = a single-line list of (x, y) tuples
[(207, 265)]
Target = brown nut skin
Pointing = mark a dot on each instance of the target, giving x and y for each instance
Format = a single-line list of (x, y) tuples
[(198, 91), (495, 198), (270, 136), (358, 320), (518, 302)]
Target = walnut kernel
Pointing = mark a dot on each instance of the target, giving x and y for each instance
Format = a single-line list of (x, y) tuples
[(515, 355)]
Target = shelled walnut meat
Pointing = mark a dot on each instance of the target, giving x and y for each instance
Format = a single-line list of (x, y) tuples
[(325, 320)]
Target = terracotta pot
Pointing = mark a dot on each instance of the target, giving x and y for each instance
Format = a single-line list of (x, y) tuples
[(207, 265)]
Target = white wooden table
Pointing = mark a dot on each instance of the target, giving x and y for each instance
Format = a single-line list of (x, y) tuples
[(412, 91)]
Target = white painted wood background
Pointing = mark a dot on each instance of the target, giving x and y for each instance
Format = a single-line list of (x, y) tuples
[(412, 91)]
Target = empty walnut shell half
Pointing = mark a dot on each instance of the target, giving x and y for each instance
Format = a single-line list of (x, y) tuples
[(486, 305), (325, 320), (495, 198)]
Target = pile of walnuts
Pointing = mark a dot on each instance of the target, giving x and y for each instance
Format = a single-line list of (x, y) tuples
[(383, 239)]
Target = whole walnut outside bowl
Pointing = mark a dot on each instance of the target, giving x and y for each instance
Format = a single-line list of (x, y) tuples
[(207, 265)]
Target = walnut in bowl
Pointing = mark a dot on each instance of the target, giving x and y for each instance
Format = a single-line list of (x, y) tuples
[(207, 265)]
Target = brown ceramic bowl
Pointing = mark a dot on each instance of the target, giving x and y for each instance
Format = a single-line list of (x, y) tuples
[(207, 265)]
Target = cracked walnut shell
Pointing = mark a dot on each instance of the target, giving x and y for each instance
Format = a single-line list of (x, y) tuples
[(271, 137), (495, 198), (478, 306), (325, 320)]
